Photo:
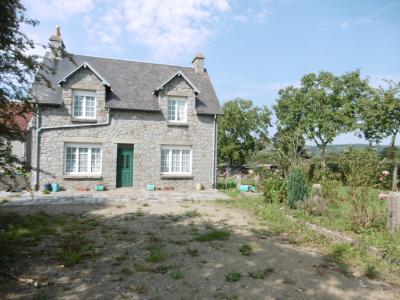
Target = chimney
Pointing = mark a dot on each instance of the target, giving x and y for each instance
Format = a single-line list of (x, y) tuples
[(198, 63), (57, 46)]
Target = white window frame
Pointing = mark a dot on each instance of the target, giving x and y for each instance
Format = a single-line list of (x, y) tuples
[(89, 163), (180, 148), (177, 99), (84, 94)]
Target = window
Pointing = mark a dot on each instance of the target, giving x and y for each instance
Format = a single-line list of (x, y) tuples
[(82, 159), (177, 109), (84, 104), (176, 160)]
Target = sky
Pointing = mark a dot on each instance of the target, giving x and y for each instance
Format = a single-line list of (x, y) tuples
[(253, 48)]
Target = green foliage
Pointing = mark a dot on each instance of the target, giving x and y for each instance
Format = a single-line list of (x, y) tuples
[(17, 68), (241, 130), (361, 167), (380, 118), (175, 274), (214, 235), (233, 277), (365, 210), (157, 254), (246, 249), (323, 107), (297, 187), (275, 189)]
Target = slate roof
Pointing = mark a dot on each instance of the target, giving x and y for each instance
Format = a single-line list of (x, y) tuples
[(132, 83)]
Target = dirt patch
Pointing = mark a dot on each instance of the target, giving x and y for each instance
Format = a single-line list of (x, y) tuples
[(180, 250)]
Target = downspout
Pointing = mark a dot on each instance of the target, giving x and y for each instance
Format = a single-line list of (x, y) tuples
[(214, 164), (40, 129)]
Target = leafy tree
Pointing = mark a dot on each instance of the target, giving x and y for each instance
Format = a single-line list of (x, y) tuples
[(380, 118), (322, 107), (286, 149), (17, 69), (242, 130)]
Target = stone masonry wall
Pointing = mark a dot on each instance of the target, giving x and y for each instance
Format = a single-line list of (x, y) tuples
[(146, 131)]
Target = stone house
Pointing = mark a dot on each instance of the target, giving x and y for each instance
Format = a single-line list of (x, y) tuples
[(123, 123)]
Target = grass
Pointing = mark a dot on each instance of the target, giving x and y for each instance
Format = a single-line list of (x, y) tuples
[(261, 274), (175, 274), (19, 235), (156, 255), (233, 277), (214, 235), (246, 249), (347, 256), (192, 214)]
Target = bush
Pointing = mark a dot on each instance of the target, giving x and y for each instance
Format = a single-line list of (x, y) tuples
[(297, 189), (275, 189), (364, 211), (361, 167), (315, 204)]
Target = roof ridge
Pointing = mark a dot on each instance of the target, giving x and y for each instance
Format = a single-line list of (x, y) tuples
[(129, 60)]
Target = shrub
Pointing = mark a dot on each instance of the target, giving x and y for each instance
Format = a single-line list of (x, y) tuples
[(297, 189), (364, 211), (275, 189), (315, 204), (361, 167)]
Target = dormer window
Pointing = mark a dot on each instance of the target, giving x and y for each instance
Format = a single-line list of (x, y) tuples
[(177, 109), (84, 104)]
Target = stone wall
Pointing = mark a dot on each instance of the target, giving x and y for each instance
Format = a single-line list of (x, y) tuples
[(146, 131)]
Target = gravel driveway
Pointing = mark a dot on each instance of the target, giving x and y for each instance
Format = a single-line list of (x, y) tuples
[(185, 250)]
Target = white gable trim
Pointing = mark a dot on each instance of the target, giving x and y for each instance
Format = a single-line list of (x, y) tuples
[(85, 65), (179, 74)]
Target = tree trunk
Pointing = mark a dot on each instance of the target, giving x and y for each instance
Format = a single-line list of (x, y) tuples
[(394, 160), (323, 155), (394, 212)]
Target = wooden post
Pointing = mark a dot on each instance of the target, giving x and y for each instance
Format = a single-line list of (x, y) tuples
[(238, 181), (394, 212)]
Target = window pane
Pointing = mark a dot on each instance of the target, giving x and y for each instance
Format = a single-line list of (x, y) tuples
[(171, 110), (176, 161), (90, 106), (78, 106), (186, 161), (96, 160), (180, 107), (164, 160), (83, 160), (70, 160)]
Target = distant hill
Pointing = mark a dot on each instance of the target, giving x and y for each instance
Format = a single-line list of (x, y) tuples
[(331, 149)]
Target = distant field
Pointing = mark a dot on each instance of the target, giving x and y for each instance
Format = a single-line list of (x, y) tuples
[(313, 150)]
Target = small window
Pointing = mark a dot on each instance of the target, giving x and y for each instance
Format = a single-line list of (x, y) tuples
[(177, 110), (82, 159), (176, 160), (84, 104)]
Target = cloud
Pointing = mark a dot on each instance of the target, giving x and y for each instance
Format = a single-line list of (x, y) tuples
[(58, 10), (169, 29)]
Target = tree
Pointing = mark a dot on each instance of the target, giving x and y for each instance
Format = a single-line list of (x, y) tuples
[(380, 118), (322, 107), (242, 130), (17, 69), (286, 149)]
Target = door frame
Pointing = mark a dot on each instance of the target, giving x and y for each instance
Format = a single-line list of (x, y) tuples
[(132, 148)]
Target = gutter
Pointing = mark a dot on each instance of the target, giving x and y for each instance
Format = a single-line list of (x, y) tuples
[(40, 129), (214, 164)]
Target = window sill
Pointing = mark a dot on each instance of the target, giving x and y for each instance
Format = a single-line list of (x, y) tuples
[(181, 124), (176, 176), (83, 120), (82, 176)]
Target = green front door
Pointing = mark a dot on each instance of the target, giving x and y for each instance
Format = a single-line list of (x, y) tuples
[(125, 167)]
